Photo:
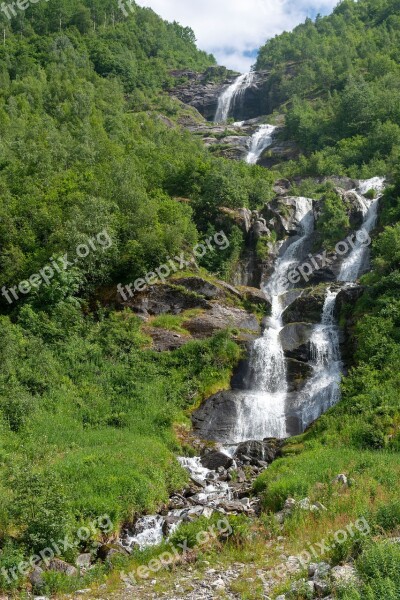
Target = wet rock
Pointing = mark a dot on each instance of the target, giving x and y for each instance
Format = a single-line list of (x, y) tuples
[(295, 339), (297, 374), (218, 416), (203, 91), (307, 308), (254, 451), (215, 459)]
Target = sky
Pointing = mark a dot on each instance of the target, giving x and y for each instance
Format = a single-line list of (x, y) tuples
[(233, 30)]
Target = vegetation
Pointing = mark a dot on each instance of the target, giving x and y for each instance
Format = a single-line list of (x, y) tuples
[(340, 80), (91, 149)]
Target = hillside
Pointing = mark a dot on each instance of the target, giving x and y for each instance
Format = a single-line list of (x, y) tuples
[(109, 183)]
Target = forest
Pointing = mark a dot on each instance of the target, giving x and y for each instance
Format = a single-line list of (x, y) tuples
[(90, 142)]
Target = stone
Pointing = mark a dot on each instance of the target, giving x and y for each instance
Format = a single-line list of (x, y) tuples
[(342, 479), (219, 584), (223, 317), (36, 578), (295, 340), (319, 506), (56, 564), (214, 459), (84, 560), (304, 504), (255, 451), (321, 587), (322, 570), (345, 575)]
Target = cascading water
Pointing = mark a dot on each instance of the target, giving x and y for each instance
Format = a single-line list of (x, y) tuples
[(323, 389), (262, 410), (259, 142), (353, 265), (231, 95)]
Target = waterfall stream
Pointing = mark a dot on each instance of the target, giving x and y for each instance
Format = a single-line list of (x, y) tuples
[(231, 95), (262, 411), (259, 142)]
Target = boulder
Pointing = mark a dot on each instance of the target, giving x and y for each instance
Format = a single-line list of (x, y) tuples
[(56, 564), (84, 561), (267, 451), (162, 298), (36, 578), (307, 308), (345, 575), (295, 339), (214, 459), (223, 317), (298, 372)]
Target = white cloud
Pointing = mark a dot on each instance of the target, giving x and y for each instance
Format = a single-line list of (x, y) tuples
[(230, 28)]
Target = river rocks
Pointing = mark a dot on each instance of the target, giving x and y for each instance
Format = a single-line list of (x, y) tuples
[(214, 459), (253, 451), (295, 339), (297, 372)]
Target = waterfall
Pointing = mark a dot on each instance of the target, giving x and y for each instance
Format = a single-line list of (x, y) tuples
[(353, 265), (259, 142), (323, 389), (231, 95), (262, 411)]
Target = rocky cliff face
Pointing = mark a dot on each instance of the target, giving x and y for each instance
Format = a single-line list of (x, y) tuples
[(202, 91)]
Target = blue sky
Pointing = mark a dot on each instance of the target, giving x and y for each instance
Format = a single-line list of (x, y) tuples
[(233, 30)]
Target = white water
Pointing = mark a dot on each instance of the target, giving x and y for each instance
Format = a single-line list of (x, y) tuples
[(149, 530), (233, 93), (322, 391), (354, 263), (262, 412), (260, 141)]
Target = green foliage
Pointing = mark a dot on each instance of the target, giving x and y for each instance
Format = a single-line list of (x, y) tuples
[(341, 76), (334, 223)]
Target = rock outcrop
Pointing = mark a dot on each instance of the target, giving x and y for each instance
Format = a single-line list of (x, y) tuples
[(203, 90)]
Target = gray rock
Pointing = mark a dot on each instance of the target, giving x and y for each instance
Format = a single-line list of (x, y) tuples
[(254, 451), (56, 564), (84, 560), (36, 578), (344, 575), (341, 479), (215, 459)]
